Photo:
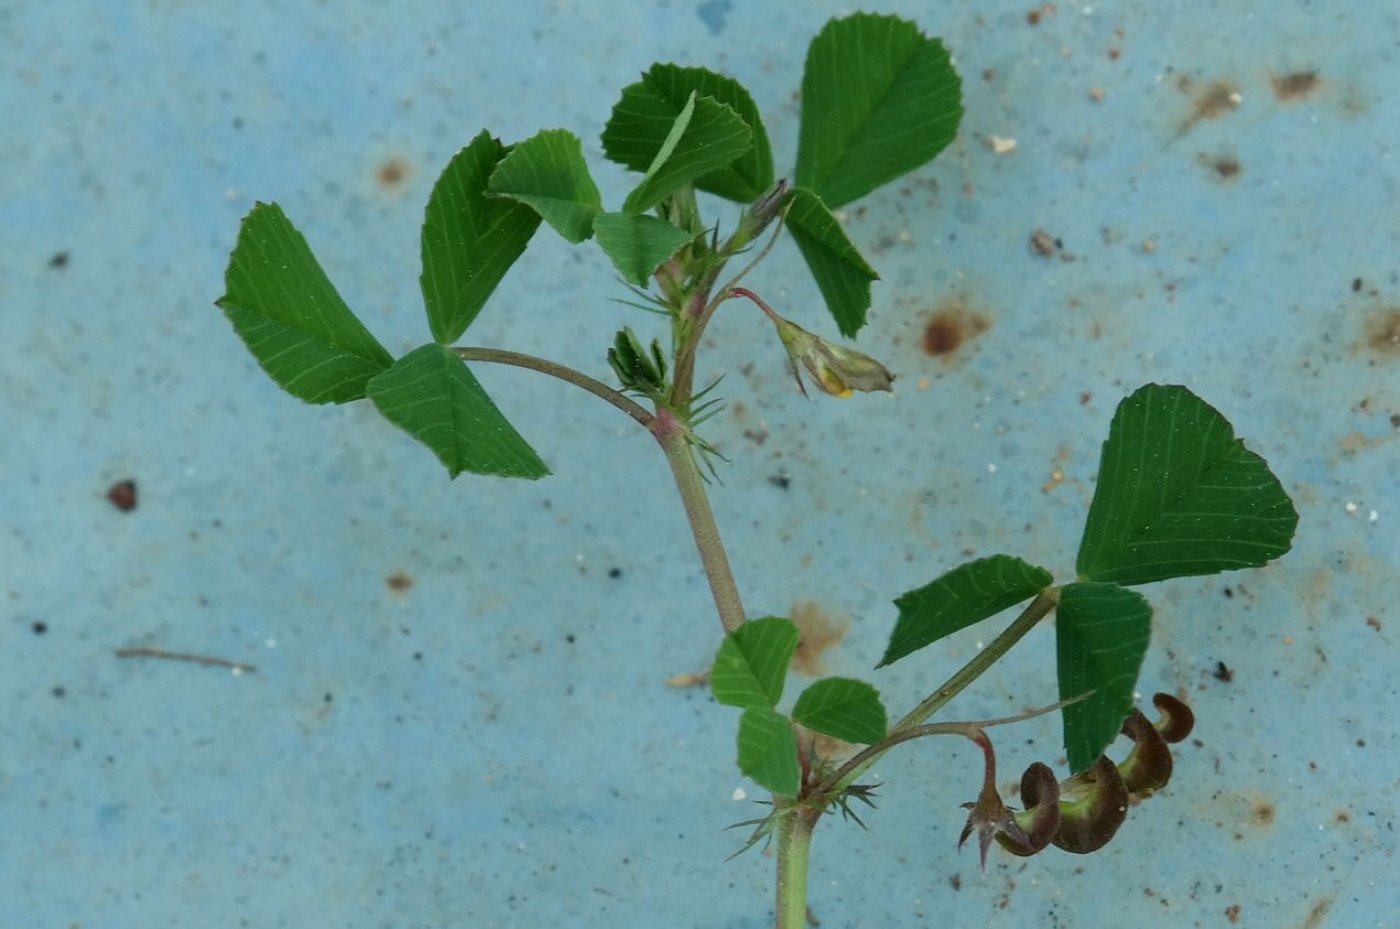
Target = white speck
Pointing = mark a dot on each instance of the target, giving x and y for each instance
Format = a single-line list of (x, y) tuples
[(1087, 11), (1374, 517), (739, 794), (980, 646), (271, 642), (236, 671), (1001, 145), (1351, 507), (991, 468), (1236, 98)]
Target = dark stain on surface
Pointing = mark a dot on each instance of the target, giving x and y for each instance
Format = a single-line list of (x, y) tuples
[(951, 325), (398, 582), (1383, 332), (1318, 913), (1045, 244), (39, 627), (392, 173), (1223, 672), (1263, 813), (1226, 167), (817, 631), (1210, 102), (1294, 86), (122, 495), (58, 261)]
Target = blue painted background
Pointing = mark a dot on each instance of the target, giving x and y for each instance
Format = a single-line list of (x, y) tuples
[(458, 715)]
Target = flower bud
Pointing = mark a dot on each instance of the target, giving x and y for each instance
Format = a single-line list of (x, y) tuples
[(835, 369)]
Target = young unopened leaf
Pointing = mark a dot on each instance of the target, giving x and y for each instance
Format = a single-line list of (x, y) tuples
[(469, 240), (706, 136), (1179, 495), (847, 709), (965, 595), (284, 308), (1101, 634), (547, 173), (768, 750), (879, 99), (645, 115), (432, 396), (752, 663), (637, 244), (840, 271)]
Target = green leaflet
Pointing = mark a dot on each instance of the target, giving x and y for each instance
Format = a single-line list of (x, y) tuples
[(841, 272), (1101, 635), (289, 315), (646, 113), (1179, 495), (752, 663), (469, 239), (430, 394), (768, 750), (706, 136), (879, 99), (965, 595), (547, 173), (842, 707)]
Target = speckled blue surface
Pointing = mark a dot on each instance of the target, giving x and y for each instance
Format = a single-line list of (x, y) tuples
[(458, 716)]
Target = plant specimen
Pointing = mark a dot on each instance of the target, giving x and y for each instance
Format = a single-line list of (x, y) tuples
[(1177, 493)]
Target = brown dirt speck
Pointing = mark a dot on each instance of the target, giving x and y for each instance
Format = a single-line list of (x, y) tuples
[(1044, 244), (398, 582), (817, 631), (122, 495), (1383, 332), (1294, 86), (1226, 167), (392, 173), (1210, 102), (1263, 813), (1318, 913), (950, 326)]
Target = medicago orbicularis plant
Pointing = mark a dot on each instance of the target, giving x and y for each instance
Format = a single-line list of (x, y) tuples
[(1177, 493)]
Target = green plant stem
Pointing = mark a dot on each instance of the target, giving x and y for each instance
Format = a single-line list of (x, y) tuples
[(794, 850), (968, 729), (685, 360), (1035, 611), (569, 375), (671, 434)]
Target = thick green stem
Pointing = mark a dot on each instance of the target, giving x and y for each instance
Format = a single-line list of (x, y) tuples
[(1034, 612), (794, 849), (671, 434)]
